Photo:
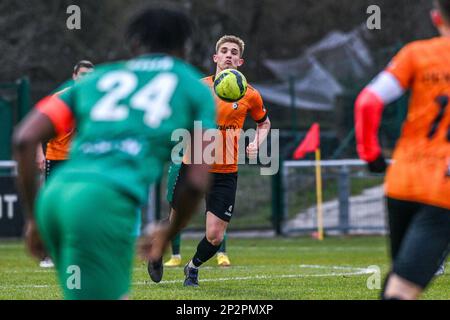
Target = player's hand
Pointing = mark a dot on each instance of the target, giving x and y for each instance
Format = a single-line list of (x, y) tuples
[(33, 240), (252, 150), (378, 165), (153, 243)]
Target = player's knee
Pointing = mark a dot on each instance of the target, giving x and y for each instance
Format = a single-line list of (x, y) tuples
[(215, 237)]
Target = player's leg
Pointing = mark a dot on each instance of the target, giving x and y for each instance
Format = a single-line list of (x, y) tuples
[(223, 246), (424, 247), (207, 247), (175, 258), (219, 209), (176, 243), (172, 181), (50, 166), (97, 230), (156, 268), (175, 176), (222, 257), (47, 221), (400, 214)]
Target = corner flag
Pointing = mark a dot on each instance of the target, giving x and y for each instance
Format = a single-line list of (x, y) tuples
[(310, 144)]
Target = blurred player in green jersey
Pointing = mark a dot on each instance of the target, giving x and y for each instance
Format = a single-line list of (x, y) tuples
[(125, 113)]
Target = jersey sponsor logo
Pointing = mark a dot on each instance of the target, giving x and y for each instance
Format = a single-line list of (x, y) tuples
[(128, 146), (235, 106), (229, 127), (436, 77), (163, 64)]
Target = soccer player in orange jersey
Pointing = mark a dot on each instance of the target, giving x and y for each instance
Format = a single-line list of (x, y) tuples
[(230, 116), (221, 196), (417, 183), (58, 147)]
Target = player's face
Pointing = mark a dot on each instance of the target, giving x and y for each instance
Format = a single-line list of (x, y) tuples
[(228, 56), (81, 73)]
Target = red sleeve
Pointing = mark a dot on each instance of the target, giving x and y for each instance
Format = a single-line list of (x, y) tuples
[(368, 113), (58, 112)]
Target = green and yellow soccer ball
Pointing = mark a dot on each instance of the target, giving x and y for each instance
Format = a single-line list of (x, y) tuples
[(230, 85)]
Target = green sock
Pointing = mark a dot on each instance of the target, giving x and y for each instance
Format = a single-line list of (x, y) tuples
[(223, 245), (176, 243)]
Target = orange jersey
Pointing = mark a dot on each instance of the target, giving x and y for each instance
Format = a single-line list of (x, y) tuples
[(420, 171), (230, 120), (58, 147)]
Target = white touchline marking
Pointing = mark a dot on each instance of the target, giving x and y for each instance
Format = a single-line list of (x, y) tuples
[(143, 268), (281, 276), (353, 271), (300, 248), (294, 248)]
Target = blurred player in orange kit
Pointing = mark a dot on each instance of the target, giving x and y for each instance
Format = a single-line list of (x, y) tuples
[(418, 181)]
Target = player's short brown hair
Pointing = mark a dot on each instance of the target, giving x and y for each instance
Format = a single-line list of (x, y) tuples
[(444, 8), (233, 39)]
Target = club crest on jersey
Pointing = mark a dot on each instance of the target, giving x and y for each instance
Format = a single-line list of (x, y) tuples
[(235, 106)]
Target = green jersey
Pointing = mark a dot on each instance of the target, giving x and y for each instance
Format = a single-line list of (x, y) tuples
[(125, 113)]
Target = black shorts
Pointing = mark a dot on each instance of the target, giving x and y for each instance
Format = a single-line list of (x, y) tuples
[(220, 197), (50, 166), (419, 238)]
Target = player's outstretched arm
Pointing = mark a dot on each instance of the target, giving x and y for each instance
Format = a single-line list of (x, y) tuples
[(369, 106)]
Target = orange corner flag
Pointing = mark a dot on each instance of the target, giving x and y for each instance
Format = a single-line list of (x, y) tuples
[(310, 143)]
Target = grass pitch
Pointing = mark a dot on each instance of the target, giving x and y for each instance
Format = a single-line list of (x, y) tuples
[(281, 268)]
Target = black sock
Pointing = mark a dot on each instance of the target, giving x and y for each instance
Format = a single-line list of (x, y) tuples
[(205, 251)]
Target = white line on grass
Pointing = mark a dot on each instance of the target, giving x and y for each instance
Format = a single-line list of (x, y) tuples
[(296, 248), (353, 271), (235, 267), (299, 248)]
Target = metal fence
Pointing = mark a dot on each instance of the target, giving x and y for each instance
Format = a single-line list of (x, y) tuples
[(8, 168), (353, 198), (252, 207)]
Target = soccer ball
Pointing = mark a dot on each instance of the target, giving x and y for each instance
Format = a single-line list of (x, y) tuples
[(230, 85)]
